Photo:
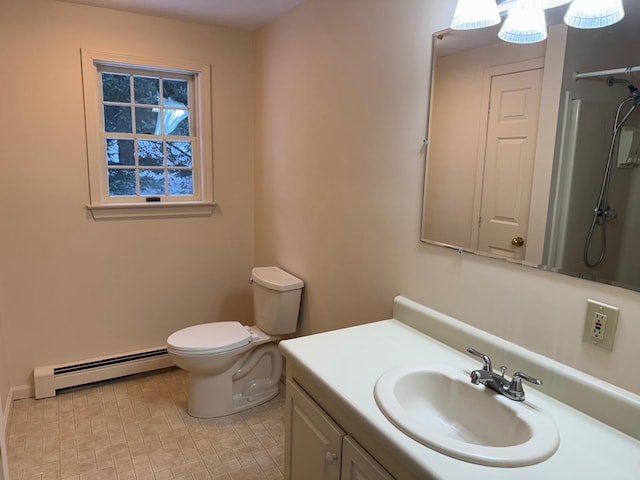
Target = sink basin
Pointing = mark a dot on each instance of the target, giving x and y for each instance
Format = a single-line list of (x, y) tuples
[(439, 407)]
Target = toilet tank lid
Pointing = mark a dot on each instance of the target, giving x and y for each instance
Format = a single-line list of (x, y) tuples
[(276, 279)]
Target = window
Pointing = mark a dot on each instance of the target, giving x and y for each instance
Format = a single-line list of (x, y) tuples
[(148, 142), (148, 136)]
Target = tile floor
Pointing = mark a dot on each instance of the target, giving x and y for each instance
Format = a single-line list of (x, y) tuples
[(138, 429)]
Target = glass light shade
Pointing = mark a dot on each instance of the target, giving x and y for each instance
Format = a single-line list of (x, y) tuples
[(472, 14), (594, 13), (553, 3), (525, 23)]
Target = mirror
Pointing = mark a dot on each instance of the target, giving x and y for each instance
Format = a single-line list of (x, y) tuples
[(517, 149)]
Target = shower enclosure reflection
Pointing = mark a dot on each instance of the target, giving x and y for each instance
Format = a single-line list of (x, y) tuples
[(603, 213), (553, 203), (598, 202)]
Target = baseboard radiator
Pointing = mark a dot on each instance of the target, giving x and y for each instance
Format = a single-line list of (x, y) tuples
[(54, 377)]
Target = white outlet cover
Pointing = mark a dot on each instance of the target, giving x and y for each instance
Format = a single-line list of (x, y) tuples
[(593, 307)]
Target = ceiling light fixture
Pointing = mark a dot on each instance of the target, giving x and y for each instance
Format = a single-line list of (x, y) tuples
[(526, 22), (471, 14), (594, 13), (546, 4)]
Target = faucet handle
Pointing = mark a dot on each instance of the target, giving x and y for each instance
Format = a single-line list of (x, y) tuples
[(486, 361), (514, 390)]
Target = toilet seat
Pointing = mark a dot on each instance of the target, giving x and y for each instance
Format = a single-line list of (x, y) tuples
[(209, 338)]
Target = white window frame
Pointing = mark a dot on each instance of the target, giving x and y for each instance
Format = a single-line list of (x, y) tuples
[(104, 206)]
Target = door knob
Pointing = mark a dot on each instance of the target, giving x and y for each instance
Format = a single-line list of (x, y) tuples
[(517, 241)]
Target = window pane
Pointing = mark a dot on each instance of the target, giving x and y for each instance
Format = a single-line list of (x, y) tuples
[(176, 122), (122, 182), (116, 88), (146, 90), (150, 153), (117, 119), (151, 182), (147, 121), (179, 154), (180, 182), (120, 152), (176, 90)]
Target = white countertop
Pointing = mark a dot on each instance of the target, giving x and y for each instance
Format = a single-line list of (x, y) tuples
[(340, 368)]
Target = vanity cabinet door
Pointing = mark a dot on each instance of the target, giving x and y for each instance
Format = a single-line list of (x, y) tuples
[(313, 441), (359, 465)]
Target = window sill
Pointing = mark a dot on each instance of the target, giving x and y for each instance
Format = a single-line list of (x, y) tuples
[(121, 211)]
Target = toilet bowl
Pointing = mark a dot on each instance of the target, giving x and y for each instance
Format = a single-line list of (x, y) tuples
[(233, 367)]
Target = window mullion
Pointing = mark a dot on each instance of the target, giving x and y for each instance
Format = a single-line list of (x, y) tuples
[(136, 165), (161, 106)]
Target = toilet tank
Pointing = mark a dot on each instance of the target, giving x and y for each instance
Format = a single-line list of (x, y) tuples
[(276, 300)]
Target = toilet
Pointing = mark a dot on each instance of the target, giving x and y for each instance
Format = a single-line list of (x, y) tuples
[(233, 367)]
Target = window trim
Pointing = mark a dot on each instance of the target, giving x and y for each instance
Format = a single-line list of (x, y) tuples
[(101, 205)]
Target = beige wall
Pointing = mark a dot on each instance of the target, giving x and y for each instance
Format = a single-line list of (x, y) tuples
[(74, 288), (338, 136), (340, 110)]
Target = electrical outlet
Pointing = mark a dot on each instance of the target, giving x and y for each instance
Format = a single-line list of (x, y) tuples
[(600, 324)]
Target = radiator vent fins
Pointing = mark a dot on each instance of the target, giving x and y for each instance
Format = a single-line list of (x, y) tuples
[(47, 379), (108, 361)]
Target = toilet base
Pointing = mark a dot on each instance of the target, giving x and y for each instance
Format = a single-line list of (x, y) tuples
[(254, 379)]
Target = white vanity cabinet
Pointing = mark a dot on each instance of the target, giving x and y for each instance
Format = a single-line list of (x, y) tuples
[(316, 448), (313, 442), (358, 464), (333, 374)]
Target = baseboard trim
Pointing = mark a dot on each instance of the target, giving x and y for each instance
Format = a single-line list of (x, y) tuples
[(15, 393), (22, 391)]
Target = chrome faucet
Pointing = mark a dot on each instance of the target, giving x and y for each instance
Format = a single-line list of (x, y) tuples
[(512, 389)]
